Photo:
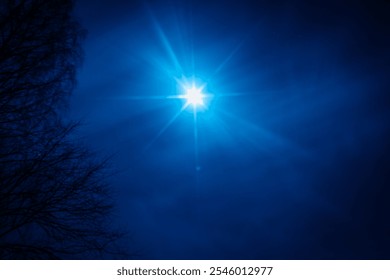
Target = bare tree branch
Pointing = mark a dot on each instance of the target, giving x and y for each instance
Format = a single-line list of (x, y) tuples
[(54, 202)]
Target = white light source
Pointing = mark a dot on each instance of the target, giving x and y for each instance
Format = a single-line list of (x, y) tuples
[(194, 96)]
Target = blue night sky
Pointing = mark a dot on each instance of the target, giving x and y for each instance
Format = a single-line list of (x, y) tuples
[(288, 157)]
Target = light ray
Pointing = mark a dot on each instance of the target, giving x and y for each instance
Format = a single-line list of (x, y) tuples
[(197, 167), (143, 97), (228, 58), (166, 44), (165, 127), (262, 139)]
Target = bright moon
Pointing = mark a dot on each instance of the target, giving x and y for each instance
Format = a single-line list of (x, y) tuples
[(194, 96)]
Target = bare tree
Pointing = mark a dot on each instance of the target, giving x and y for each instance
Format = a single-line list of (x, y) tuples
[(53, 199)]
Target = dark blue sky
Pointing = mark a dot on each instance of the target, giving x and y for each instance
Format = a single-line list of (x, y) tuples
[(292, 150)]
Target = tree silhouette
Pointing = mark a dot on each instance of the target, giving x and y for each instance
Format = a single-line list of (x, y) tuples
[(53, 199)]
